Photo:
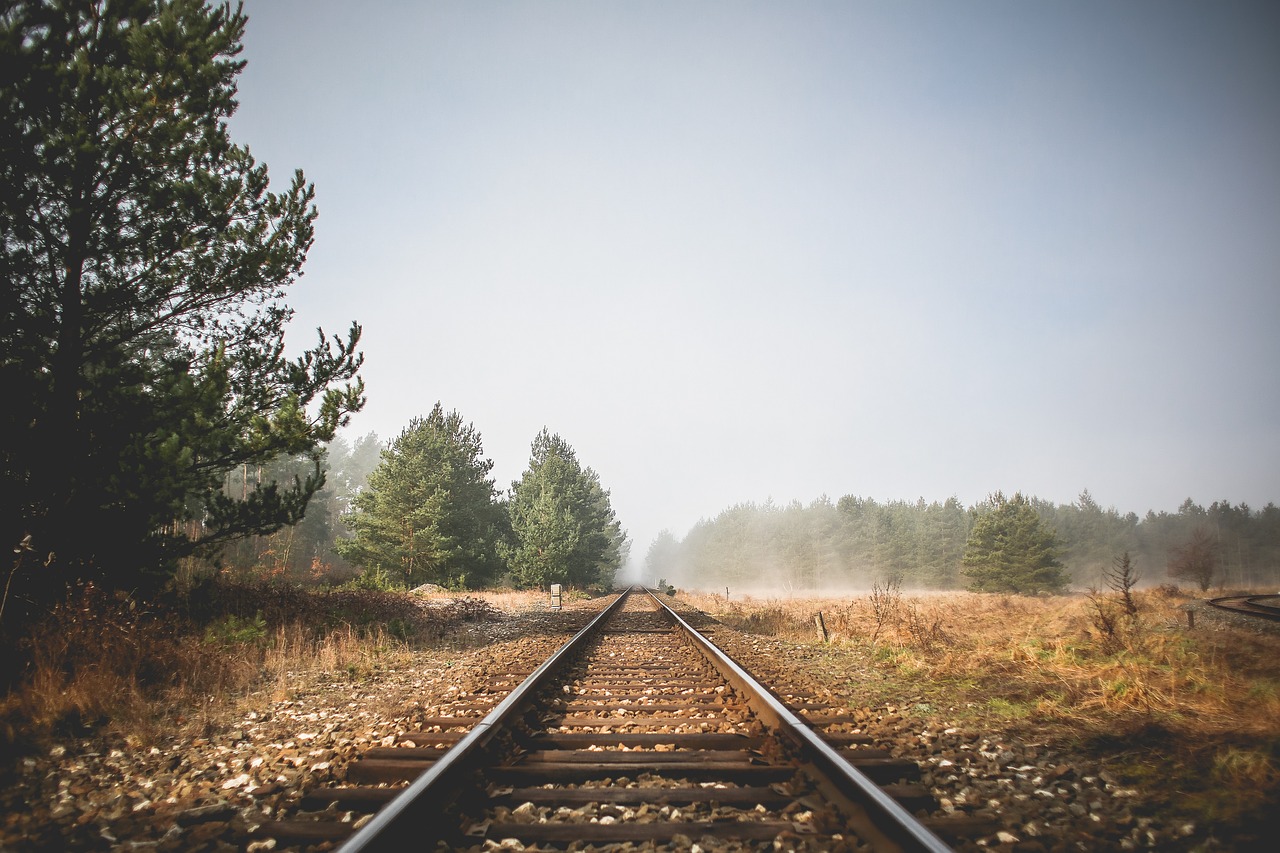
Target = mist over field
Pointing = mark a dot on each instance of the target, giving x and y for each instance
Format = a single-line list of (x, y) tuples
[(855, 544)]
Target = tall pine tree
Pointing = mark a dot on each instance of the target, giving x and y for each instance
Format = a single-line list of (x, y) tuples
[(563, 526), (1011, 550), (429, 513), (142, 316)]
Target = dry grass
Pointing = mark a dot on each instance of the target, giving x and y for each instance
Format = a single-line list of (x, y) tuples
[(103, 661), (1219, 678), (1192, 714)]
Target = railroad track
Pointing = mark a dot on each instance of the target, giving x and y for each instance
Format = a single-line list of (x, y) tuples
[(638, 734), (1262, 606)]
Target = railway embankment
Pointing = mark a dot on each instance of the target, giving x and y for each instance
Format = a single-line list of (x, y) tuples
[(1048, 784)]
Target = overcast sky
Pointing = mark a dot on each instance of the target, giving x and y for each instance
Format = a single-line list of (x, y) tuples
[(739, 251)]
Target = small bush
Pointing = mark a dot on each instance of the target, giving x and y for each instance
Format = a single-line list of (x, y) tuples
[(238, 631), (400, 629), (373, 579)]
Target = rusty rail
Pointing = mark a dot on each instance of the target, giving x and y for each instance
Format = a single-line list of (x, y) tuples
[(412, 818), (886, 814), (1261, 606)]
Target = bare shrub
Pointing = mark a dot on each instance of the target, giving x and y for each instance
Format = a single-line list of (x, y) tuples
[(1196, 559), (925, 631), (886, 605)]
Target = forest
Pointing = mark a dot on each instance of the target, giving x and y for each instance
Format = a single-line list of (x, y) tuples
[(856, 542)]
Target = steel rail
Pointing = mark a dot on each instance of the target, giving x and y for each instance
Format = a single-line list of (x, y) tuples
[(888, 815), (411, 819), (1250, 605)]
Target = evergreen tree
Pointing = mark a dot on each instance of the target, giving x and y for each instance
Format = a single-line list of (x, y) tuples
[(563, 526), (1011, 550), (859, 541), (942, 533), (350, 466), (142, 317), (305, 551), (662, 561), (429, 512)]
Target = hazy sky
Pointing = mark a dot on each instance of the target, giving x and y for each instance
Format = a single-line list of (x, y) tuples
[(738, 251)]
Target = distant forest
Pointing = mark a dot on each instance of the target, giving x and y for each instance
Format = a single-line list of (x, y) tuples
[(857, 542)]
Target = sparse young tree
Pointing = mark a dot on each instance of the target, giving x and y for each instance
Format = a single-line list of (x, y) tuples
[(429, 513), (1011, 550), (1196, 560), (1122, 577), (145, 263), (1116, 618)]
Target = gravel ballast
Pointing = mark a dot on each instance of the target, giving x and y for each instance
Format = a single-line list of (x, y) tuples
[(254, 760)]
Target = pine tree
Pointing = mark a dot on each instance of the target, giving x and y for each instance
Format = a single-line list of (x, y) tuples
[(563, 526), (429, 512), (142, 316), (1011, 550)]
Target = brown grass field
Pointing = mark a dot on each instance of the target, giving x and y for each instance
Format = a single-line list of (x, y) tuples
[(1191, 715), (100, 663)]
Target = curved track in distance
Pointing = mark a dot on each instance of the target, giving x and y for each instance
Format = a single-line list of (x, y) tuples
[(1261, 606)]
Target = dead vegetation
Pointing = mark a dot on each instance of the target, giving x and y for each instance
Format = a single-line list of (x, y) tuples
[(104, 661), (1194, 713)]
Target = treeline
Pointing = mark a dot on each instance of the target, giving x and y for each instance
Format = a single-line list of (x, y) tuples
[(425, 510), (856, 542)]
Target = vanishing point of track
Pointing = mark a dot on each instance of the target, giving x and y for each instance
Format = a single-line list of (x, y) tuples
[(638, 731)]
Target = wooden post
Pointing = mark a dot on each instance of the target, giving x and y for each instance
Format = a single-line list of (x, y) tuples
[(822, 627), (1191, 618)]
